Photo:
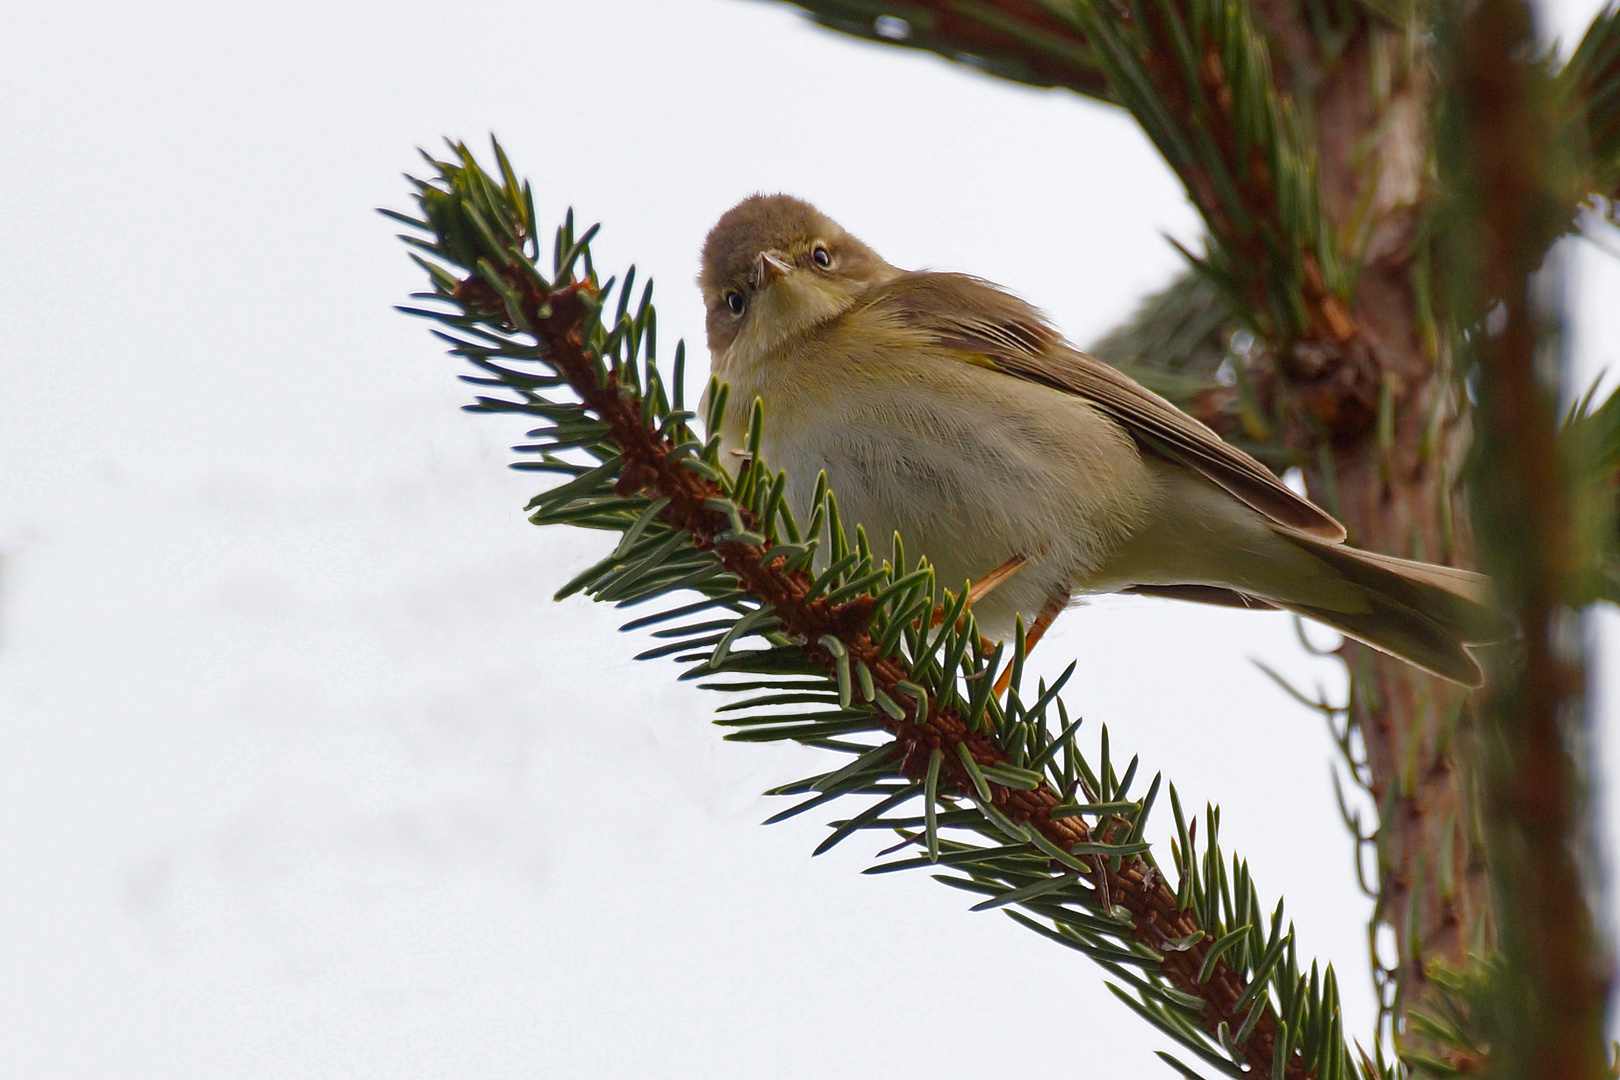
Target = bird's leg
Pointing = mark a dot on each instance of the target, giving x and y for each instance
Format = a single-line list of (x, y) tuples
[(985, 585), (1049, 612)]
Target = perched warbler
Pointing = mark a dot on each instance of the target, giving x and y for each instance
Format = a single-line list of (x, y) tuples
[(950, 411)]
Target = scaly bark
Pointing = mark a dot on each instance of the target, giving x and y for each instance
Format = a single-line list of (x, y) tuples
[(1378, 422)]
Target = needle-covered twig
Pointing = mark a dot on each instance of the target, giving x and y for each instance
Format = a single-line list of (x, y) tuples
[(837, 647)]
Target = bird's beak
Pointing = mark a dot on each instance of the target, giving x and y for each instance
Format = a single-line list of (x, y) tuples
[(768, 268)]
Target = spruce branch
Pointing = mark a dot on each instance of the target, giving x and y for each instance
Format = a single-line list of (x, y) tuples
[(1183, 330), (1197, 76), (1590, 449), (835, 646), (1023, 41), (1590, 86), (1186, 343)]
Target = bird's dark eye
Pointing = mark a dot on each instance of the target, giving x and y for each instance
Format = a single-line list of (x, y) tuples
[(735, 301), (822, 257)]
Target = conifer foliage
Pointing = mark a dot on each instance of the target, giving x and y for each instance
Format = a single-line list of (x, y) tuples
[(1380, 183), (872, 659)]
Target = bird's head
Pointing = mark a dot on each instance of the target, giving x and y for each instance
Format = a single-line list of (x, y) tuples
[(774, 267)]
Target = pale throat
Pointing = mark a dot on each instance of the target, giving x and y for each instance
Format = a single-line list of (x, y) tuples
[(782, 314), (766, 356)]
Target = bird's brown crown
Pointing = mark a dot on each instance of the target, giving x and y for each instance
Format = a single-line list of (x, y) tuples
[(797, 237), (761, 223)]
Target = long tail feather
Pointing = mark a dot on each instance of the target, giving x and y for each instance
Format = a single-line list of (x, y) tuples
[(1422, 613)]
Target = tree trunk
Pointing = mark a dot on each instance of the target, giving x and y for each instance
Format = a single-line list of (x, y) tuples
[(1380, 421)]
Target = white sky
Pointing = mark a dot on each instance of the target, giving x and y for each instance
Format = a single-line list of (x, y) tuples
[(298, 773)]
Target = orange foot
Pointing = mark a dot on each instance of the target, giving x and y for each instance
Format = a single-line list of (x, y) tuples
[(1049, 612), (985, 585)]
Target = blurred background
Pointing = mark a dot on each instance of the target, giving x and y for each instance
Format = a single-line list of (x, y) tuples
[(302, 772)]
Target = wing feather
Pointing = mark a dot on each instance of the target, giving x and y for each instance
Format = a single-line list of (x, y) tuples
[(976, 317)]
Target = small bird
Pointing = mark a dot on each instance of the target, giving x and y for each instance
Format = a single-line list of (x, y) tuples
[(948, 410)]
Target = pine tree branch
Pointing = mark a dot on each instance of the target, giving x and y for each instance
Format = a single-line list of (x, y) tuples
[(1590, 449), (1590, 84), (1185, 343), (1182, 330), (1207, 967), (1197, 76), (1023, 41)]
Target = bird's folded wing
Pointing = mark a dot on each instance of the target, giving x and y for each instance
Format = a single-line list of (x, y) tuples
[(979, 319)]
